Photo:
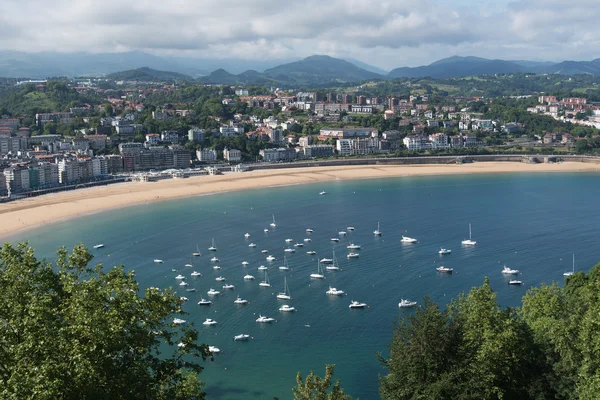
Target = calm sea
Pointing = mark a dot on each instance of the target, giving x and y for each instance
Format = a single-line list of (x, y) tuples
[(533, 223)]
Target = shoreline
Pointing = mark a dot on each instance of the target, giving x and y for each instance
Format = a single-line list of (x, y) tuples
[(22, 215)]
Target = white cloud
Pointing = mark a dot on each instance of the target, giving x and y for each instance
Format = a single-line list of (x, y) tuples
[(389, 33)]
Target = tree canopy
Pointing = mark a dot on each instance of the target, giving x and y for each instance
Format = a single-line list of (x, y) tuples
[(474, 349), (70, 331)]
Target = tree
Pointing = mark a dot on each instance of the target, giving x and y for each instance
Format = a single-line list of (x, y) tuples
[(316, 388), (70, 331)]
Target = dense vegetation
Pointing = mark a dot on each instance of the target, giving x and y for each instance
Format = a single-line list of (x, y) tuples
[(70, 331), (148, 75), (474, 349), (57, 96)]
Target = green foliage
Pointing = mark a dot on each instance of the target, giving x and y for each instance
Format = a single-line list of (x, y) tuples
[(146, 74), (57, 97), (317, 388), (70, 331), (472, 350)]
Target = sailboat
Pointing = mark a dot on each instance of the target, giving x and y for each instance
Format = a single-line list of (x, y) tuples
[(319, 274), (197, 252), (213, 247), (469, 241), (285, 295), (377, 232), (569, 273), (266, 282), (273, 224), (333, 266), (285, 266)]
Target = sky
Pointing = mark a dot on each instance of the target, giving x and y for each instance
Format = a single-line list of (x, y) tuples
[(384, 33)]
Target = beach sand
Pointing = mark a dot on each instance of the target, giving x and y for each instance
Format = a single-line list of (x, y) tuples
[(32, 212)]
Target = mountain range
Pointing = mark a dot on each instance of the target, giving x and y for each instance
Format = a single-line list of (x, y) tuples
[(312, 71)]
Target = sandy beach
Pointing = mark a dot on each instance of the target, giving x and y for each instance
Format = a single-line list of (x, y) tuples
[(32, 212)]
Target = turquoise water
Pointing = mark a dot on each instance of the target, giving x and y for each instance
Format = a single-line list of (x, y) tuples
[(529, 222)]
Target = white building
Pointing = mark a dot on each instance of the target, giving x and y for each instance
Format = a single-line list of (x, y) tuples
[(230, 130), (281, 154), (232, 155), (241, 92), (353, 147), (416, 143), (439, 141), (206, 155)]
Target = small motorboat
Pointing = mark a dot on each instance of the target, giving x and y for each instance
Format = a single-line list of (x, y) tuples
[(350, 228), (213, 292), (158, 261), (270, 258), (214, 350), (289, 240), (406, 303), (335, 240), (311, 252), (322, 193), (244, 263), (252, 245), (183, 283), (179, 321), (286, 308), (214, 259), (99, 246), (307, 240), (290, 250), (444, 269), (248, 277), (308, 230), (335, 292), (515, 282), (508, 271), (243, 336), (264, 251), (209, 321), (246, 235), (204, 302), (239, 300), (444, 251), (180, 277), (216, 267), (196, 273), (228, 286), (219, 279), (353, 255), (263, 319), (406, 239), (357, 304)]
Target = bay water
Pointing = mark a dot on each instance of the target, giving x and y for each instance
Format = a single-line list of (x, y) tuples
[(530, 222)]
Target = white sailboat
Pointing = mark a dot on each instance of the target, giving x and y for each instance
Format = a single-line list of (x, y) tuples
[(285, 295), (334, 265), (273, 224), (319, 274), (197, 252), (469, 241), (569, 273), (377, 232), (266, 282), (285, 266), (213, 247)]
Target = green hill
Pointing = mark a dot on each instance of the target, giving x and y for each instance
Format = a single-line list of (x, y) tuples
[(320, 70), (146, 74)]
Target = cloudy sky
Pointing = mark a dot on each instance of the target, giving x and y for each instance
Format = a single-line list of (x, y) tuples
[(385, 33)]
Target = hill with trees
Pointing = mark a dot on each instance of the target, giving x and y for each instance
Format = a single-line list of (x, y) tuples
[(146, 74)]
